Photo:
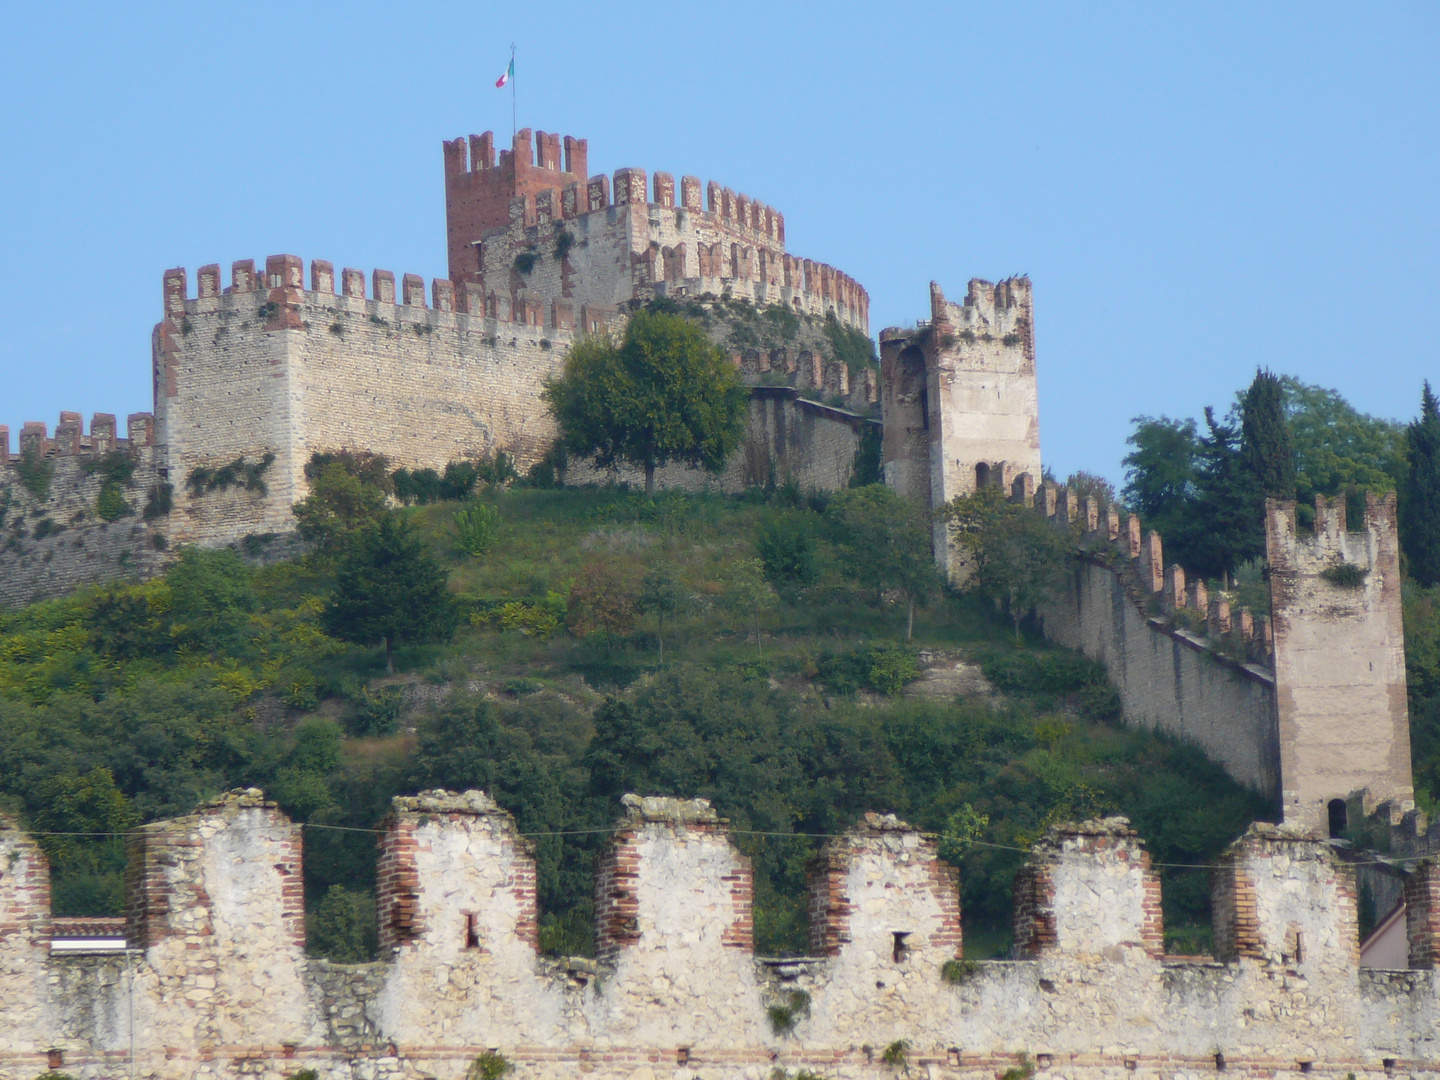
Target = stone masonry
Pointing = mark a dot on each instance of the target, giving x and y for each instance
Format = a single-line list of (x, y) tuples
[(217, 984), (959, 401)]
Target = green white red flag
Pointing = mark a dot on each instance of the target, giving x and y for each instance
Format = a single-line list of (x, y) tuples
[(509, 74)]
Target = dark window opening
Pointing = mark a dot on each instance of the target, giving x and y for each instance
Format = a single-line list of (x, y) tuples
[(1338, 815), (982, 476), (472, 931), (925, 408), (902, 949)]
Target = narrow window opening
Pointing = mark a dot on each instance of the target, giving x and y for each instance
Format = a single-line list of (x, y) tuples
[(1338, 815), (925, 408), (982, 476), (472, 931), (682, 1056), (1299, 947), (902, 947), (952, 1055), (1388, 1064), (1219, 1062), (1305, 1066)]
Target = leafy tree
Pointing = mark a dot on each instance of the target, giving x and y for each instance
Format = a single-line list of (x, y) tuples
[(389, 588), (1160, 471), (747, 592), (665, 393), (662, 595), (1265, 437), (1087, 485), (1420, 521), (885, 539), (1337, 447), (347, 495), (475, 528), (1017, 558)]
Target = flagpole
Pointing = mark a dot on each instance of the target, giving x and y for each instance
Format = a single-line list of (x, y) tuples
[(514, 127)]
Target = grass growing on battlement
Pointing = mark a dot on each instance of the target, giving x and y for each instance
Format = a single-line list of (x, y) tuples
[(787, 695)]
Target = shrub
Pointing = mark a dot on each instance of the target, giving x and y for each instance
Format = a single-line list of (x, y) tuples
[(891, 669), (785, 1016), (475, 528), (956, 972), (885, 670), (1346, 575), (897, 1054), (46, 527), (786, 545), (110, 504), (489, 1066), (238, 473), (35, 473), (525, 262)]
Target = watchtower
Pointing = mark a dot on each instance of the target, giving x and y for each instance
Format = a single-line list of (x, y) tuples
[(958, 399)]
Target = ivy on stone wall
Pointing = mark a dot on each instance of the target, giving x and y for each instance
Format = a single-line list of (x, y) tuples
[(238, 473), (35, 474)]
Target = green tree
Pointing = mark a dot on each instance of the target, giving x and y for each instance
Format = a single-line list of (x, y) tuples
[(1265, 437), (747, 592), (211, 597), (787, 548), (1337, 447), (1160, 471), (1420, 521), (1224, 524), (665, 393), (663, 595), (389, 588), (342, 926), (885, 539), (347, 495), (1017, 558)]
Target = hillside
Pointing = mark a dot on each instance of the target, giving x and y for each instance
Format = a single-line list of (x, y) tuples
[(130, 703)]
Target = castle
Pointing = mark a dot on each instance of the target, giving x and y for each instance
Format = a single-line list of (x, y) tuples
[(207, 976), (253, 377)]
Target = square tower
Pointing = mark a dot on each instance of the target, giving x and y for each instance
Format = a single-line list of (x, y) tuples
[(958, 399)]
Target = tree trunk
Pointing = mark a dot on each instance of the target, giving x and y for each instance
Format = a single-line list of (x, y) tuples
[(758, 651), (389, 657), (649, 478), (910, 620)]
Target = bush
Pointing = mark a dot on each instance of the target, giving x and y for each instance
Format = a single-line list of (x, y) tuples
[(885, 670), (159, 502), (489, 1066), (787, 546), (475, 528), (110, 505), (35, 474)]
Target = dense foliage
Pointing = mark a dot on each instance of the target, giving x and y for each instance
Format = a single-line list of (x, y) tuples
[(781, 697)]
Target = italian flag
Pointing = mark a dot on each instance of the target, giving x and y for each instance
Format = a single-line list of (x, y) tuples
[(509, 74)]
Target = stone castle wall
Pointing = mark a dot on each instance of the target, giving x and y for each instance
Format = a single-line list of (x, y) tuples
[(1306, 705), (217, 984), (58, 539)]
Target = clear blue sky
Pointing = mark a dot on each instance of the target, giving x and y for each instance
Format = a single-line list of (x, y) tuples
[(1194, 192)]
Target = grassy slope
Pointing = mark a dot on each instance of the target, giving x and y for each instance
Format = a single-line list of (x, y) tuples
[(766, 730)]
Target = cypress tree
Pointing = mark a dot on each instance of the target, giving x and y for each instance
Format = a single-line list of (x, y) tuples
[(1265, 437), (1420, 522)]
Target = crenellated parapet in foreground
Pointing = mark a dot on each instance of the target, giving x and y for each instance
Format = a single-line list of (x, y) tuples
[(218, 984)]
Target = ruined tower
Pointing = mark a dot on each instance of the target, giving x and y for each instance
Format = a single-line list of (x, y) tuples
[(958, 399), (1343, 721)]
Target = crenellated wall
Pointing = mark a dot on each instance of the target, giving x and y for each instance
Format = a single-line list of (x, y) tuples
[(217, 984), (57, 532), (265, 372), (561, 236), (1306, 705)]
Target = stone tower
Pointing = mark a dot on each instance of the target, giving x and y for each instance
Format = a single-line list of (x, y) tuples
[(958, 399), (1343, 721)]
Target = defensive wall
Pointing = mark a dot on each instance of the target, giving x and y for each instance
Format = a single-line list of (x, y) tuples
[(68, 517), (959, 400), (565, 236), (1305, 705), (216, 983)]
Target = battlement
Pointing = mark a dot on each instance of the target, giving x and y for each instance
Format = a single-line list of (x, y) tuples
[(281, 292), (1002, 312), (214, 923), (71, 439)]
